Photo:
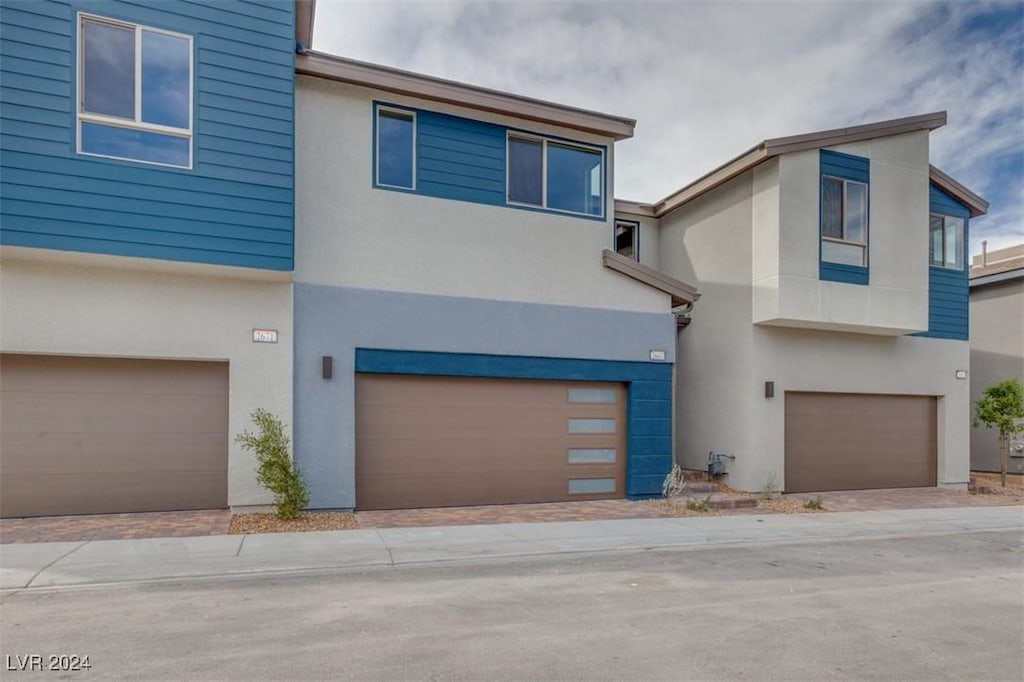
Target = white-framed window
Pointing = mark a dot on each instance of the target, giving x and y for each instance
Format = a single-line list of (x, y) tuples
[(946, 241), (556, 175), (627, 239), (395, 148), (844, 221), (134, 92)]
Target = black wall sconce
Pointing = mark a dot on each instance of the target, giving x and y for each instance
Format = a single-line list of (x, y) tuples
[(769, 389), (327, 366)]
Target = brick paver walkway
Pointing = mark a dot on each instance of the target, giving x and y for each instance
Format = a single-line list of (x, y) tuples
[(510, 513), (217, 522), (115, 526)]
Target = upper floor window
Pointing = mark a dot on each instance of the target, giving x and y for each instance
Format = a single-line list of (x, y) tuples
[(555, 175), (396, 135), (134, 92), (946, 241), (627, 239), (844, 221)]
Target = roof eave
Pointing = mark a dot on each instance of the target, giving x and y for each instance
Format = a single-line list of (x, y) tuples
[(975, 204), (680, 292), (305, 15), (451, 92), (794, 143)]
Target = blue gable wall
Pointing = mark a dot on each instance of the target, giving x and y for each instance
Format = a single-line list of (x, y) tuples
[(948, 289), (234, 207)]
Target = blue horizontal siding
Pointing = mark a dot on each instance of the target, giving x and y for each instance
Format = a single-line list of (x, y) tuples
[(234, 207), (838, 272), (948, 289), (457, 158), (845, 166), (649, 401)]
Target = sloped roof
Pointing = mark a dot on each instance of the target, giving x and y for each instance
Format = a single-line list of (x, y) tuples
[(826, 138)]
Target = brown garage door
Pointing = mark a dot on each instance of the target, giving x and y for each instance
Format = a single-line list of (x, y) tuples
[(848, 441), (441, 441), (102, 435)]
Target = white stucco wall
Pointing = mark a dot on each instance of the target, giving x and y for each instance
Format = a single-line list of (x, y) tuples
[(789, 290), (59, 308), (709, 245), (350, 234), (997, 354)]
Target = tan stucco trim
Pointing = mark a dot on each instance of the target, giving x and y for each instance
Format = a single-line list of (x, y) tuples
[(785, 145), (681, 292), (305, 15), (975, 204), (451, 92)]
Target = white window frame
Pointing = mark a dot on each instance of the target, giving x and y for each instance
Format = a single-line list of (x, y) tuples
[(405, 113), (543, 206), (636, 236), (136, 123), (867, 218), (960, 238)]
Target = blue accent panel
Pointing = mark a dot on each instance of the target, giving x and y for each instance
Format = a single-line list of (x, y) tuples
[(838, 272), (845, 166), (948, 289), (235, 206), (649, 429), (848, 167), (460, 159)]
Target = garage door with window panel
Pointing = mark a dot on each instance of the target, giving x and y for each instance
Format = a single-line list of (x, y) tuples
[(105, 435), (849, 441), (430, 441), (440, 429)]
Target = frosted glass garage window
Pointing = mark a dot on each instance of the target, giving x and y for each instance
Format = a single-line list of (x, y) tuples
[(591, 426), (591, 455), (591, 395), (590, 486)]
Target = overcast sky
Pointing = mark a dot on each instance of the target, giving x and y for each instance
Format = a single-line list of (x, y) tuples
[(708, 80)]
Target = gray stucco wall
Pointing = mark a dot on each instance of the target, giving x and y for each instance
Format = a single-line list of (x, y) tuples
[(997, 354), (336, 320)]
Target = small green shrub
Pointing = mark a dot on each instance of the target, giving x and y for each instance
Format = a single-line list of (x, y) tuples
[(276, 472), (695, 505), (816, 503)]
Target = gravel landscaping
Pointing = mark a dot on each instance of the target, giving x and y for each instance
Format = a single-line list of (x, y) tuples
[(308, 521)]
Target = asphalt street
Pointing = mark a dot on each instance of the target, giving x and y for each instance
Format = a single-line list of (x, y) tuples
[(932, 607)]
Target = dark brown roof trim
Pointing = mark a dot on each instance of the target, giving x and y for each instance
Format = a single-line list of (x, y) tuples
[(305, 15), (975, 204), (681, 292), (452, 92)]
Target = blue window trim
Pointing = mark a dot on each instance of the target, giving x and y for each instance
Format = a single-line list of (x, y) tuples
[(636, 232), (374, 173), (648, 402), (856, 169)]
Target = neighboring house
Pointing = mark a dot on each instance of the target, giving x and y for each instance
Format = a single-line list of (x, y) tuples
[(463, 333), (829, 350), (147, 231), (997, 341)]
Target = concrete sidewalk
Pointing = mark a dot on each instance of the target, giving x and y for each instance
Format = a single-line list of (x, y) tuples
[(62, 564)]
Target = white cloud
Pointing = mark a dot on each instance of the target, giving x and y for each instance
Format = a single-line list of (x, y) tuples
[(708, 80)]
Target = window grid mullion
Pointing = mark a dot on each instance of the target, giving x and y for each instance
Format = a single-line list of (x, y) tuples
[(544, 174), (138, 74)]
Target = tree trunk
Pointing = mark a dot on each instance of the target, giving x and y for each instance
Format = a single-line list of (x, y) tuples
[(1002, 458)]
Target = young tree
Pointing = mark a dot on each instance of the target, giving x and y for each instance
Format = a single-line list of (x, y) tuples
[(276, 472), (1002, 406)]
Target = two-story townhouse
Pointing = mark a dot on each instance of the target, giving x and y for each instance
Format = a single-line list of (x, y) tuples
[(830, 347), (463, 334), (147, 238)]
